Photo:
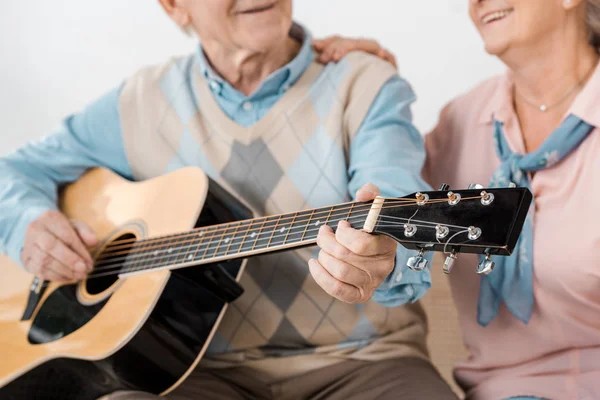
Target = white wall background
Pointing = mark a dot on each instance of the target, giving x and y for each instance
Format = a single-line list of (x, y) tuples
[(57, 55)]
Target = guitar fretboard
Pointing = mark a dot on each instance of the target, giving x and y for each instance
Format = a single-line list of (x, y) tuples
[(239, 239)]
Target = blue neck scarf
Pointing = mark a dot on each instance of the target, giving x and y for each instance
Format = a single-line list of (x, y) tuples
[(511, 280)]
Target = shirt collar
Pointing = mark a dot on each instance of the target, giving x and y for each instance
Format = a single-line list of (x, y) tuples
[(585, 106), (499, 107), (279, 80)]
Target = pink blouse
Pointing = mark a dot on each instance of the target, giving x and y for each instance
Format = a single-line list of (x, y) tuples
[(557, 354)]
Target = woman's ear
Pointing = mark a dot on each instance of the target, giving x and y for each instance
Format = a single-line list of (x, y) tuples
[(571, 4), (176, 11)]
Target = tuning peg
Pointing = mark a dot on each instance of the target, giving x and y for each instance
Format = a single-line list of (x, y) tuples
[(512, 185), (444, 187), (485, 266), (449, 263), (418, 262), (486, 198), (475, 186)]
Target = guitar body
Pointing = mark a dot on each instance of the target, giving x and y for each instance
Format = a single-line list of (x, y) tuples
[(145, 332)]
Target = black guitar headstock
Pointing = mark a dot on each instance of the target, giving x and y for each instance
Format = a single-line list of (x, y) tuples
[(484, 221)]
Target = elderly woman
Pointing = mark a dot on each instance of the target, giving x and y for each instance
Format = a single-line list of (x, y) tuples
[(265, 120), (532, 327)]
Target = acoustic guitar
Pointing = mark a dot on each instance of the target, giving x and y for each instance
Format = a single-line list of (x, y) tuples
[(171, 254)]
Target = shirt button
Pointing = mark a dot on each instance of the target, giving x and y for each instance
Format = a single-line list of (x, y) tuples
[(398, 277), (409, 291), (214, 85), (247, 106)]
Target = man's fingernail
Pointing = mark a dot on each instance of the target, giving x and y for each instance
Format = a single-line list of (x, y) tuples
[(80, 266)]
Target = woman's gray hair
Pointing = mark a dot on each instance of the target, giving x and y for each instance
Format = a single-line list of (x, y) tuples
[(592, 16)]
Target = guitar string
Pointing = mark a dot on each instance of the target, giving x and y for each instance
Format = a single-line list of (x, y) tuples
[(137, 255), (258, 220), (105, 274), (119, 265), (146, 250), (111, 261), (230, 225), (222, 228)]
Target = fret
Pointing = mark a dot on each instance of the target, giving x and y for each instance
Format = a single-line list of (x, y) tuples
[(340, 212), (350, 214), (290, 228), (209, 243), (216, 241), (266, 232), (143, 256), (317, 219), (236, 239), (252, 234), (281, 230), (199, 237), (183, 244), (329, 215), (274, 229), (225, 239), (168, 252), (299, 227), (312, 213), (243, 233)]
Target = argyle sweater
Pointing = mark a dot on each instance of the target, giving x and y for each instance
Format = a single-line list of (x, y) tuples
[(295, 157)]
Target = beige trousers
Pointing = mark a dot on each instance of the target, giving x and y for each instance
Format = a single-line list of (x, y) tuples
[(405, 378)]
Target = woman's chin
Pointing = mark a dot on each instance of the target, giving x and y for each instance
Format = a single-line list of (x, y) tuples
[(495, 48)]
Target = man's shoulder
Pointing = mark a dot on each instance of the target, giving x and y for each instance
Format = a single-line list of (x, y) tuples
[(362, 65)]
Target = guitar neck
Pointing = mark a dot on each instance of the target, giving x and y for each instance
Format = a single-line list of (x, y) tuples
[(240, 239)]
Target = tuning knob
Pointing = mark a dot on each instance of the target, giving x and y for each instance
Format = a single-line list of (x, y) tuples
[(512, 185), (449, 263), (485, 266), (475, 186), (444, 187), (418, 262)]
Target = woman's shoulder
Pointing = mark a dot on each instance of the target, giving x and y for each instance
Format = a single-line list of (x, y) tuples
[(468, 108), (477, 99)]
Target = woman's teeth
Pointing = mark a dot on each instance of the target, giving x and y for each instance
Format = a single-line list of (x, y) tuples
[(495, 16)]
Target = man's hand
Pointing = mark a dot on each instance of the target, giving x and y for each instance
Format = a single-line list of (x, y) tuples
[(55, 249), (352, 263)]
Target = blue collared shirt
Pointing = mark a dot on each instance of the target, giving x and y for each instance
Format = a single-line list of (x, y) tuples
[(30, 176)]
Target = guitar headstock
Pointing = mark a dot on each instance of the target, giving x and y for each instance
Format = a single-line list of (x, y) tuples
[(484, 221)]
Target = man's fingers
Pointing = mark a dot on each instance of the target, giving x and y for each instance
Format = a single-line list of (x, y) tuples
[(85, 233), (46, 267), (60, 227), (326, 241), (53, 246), (363, 244), (343, 271), (367, 192), (332, 286)]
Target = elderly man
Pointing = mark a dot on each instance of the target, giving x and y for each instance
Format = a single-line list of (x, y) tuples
[(260, 116)]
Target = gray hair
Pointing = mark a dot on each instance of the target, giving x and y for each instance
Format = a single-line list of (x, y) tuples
[(592, 17)]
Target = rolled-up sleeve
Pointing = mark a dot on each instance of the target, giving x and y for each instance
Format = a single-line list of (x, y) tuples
[(389, 152), (31, 176)]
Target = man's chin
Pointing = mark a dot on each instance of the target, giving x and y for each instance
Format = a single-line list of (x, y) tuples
[(264, 40)]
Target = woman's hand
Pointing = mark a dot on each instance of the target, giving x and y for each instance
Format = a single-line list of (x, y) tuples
[(333, 48)]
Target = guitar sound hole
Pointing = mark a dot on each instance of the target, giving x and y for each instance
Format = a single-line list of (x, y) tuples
[(108, 264)]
